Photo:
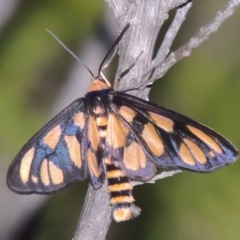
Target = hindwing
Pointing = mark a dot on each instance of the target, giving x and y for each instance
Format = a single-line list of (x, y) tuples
[(124, 148)]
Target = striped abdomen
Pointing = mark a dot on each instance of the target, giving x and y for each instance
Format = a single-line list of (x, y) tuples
[(120, 190)]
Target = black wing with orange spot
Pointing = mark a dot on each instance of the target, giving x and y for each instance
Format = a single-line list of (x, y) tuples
[(54, 157)]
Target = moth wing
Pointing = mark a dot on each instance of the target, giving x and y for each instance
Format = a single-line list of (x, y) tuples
[(124, 149), (93, 154), (53, 158), (172, 140)]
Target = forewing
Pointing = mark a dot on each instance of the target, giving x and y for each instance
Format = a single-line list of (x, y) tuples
[(53, 158), (94, 155), (172, 140)]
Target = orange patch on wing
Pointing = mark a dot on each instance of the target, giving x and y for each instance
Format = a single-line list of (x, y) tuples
[(92, 164), (186, 155), (52, 137), (79, 120), (93, 135), (162, 122), (212, 154), (116, 132), (134, 157), (44, 173), (196, 151), (152, 139), (26, 163), (127, 113), (205, 138), (34, 179), (56, 173), (74, 149)]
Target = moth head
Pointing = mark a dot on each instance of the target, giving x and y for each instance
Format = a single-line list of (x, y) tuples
[(99, 84)]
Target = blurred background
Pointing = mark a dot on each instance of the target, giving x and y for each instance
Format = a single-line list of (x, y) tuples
[(38, 78)]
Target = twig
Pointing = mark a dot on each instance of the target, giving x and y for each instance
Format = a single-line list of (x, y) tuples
[(90, 225), (194, 42), (172, 32), (158, 177)]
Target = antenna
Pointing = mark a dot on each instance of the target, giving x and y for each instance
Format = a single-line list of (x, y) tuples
[(68, 50), (104, 62)]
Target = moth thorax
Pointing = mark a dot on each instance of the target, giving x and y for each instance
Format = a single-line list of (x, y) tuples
[(101, 117)]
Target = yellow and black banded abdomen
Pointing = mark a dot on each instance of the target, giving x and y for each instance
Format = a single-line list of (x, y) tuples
[(120, 190)]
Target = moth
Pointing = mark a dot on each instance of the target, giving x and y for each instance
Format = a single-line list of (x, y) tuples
[(114, 136)]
